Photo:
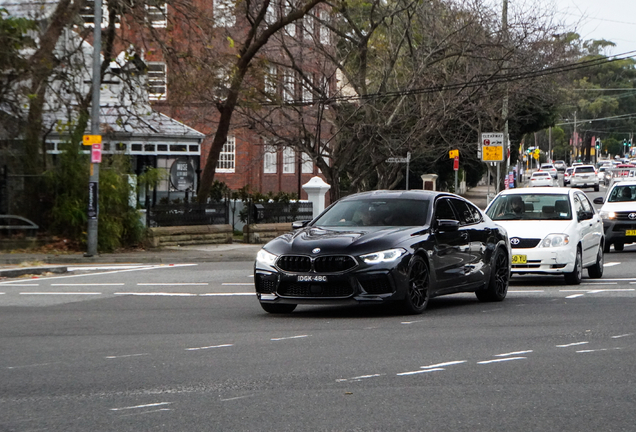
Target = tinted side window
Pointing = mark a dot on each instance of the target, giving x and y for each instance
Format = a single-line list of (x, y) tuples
[(586, 203), (443, 210), (578, 206), (466, 214)]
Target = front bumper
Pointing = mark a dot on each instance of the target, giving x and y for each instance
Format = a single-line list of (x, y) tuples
[(615, 231), (373, 286), (558, 260)]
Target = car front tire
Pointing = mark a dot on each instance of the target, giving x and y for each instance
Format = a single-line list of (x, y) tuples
[(417, 294), (596, 270), (497, 287), (574, 278), (274, 308)]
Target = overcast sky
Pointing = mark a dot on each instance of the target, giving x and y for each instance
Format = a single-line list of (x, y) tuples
[(614, 20)]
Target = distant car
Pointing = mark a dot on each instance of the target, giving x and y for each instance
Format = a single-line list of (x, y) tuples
[(541, 178), (619, 214), (566, 175), (552, 231), (584, 176), (575, 164), (560, 165), (550, 168), (378, 247), (604, 174)]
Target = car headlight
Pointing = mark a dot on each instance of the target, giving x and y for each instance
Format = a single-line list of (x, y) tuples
[(555, 240), (265, 259), (389, 255), (608, 215)]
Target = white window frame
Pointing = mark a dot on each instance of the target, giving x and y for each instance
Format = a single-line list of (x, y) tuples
[(309, 24), (289, 84), (90, 6), (157, 79), (289, 160), (270, 159), (227, 157), (307, 165), (224, 15), (157, 15), (324, 30), (307, 93), (290, 28), (271, 81)]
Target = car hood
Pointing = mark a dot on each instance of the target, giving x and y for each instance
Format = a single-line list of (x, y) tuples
[(535, 229), (625, 206), (341, 241)]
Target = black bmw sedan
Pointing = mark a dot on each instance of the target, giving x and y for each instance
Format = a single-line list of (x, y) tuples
[(402, 247)]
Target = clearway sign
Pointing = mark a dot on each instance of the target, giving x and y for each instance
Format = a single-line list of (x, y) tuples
[(492, 146)]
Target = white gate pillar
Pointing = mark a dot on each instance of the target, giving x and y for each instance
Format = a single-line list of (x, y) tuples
[(316, 189)]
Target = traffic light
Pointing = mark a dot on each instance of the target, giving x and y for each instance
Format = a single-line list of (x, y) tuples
[(598, 144)]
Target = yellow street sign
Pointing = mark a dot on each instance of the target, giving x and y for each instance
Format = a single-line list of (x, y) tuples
[(537, 152), (89, 140), (452, 154), (492, 153), (535, 155)]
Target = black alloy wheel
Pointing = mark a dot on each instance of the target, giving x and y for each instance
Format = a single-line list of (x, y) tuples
[(275, 308), (574, 278), (596, 271), (417, 295), (497, 287)]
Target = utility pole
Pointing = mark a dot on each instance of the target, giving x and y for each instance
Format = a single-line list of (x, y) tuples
[(504, 109), (93, 181)]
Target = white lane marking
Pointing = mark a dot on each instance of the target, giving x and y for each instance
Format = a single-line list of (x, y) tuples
[(420, 371), (141, 406), (90, 284), (611, 264), (623, 335), (126, 355), (236, 398), (238, 284), (209, 347), (228, 294), (411, 322), (572, 344), (28, 366), (147, 267), (13, 283), (60, 293), (361, 377), (526, 291), (599, 283), (290, 337), (574, 296), (158, 294), (175, 284), (1, 293), (146, 412), (513, 353), (501, 360), (595, 350), (113, 267), (438, 365)]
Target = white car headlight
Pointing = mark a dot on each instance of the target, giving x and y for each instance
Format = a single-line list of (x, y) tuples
[(608, 215), (265, 259), (555, 240), (383, 256)]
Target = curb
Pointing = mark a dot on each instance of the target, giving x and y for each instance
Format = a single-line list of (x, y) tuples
[(17, 272)]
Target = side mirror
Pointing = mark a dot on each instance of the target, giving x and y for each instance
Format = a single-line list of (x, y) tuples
[(300, 224), (447, 225), (599, 200)]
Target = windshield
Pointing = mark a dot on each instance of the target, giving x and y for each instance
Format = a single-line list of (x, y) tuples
[(530, 207), (585, 169), (376, 212), (622, 193)]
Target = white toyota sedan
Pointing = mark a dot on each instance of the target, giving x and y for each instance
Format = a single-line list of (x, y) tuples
[(552, 231), (541, 178)]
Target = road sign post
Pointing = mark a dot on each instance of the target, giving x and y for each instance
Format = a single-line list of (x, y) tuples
[(405, 160), (492, 150)]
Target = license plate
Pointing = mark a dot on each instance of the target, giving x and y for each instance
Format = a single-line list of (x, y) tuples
[(519, 259), (630, 232), (312, 278)]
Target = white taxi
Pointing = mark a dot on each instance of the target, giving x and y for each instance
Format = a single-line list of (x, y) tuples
[(552, 231)]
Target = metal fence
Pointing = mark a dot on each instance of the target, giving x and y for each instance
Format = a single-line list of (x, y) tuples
[(281, 212), (162, 215)]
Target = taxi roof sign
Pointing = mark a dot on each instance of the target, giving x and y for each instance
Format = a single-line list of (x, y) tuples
[(89, 140)]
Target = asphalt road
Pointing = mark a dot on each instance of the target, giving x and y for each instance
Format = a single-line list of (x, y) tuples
[(188, 348)]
